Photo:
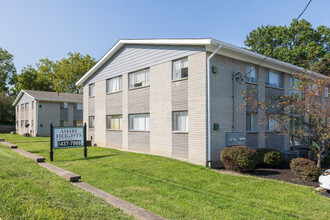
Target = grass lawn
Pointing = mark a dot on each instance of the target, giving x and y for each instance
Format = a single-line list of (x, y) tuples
[(28, 191), (179, 190)]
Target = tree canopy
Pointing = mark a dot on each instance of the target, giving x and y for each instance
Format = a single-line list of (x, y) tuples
[(7, 70), (56, 76), (299, 44)]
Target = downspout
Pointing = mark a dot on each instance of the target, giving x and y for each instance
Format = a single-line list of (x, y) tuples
[(36, 121), (234, 104), (209, 106)]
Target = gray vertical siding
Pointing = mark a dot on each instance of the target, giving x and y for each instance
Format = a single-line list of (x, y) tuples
[(139, 141), (139, 100), (252, 140), (78, 115), (134, 57), (180, 95), (180, 145), (64, 114), (274, 141)]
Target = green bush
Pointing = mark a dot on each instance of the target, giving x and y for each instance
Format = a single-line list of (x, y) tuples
[(326, 159), (239, 158), (270, 157), (305, 169)]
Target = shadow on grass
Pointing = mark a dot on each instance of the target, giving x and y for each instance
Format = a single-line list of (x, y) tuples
[(88, 157)]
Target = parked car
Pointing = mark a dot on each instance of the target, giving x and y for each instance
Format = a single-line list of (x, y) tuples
[(324, 180)]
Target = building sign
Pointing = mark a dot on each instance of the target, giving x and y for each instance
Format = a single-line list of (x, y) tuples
[(65, 137)]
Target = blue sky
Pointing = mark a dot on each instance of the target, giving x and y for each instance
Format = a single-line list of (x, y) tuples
[(31, 30)]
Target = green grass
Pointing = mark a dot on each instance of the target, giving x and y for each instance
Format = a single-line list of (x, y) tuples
[(179, 190), (28, 191)]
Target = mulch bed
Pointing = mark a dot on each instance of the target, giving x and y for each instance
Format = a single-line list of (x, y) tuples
[(284, 173)]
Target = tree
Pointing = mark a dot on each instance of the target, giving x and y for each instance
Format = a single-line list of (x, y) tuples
[(7, 111), (303, 112), (7, 70), (295, 44), (69, 70), (58, 76)]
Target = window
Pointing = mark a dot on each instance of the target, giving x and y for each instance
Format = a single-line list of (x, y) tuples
[(17, 108), (22, 107), (17, 123), (274, 79), (26, 106), (180, 121), (293, 85), (251, 122), (138, 79), (22, 123), (91, 90), (91, 121), (63, 123), (180, 69), (296, 125), (64, 105), (78, 106), (326, 92), (114, 122), (26, 122), (114, 84), (139, 122), (272, 122), (251, 74), (32, 105), (78, 123), (32, 123)]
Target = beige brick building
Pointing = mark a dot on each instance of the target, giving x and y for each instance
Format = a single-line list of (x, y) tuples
[(153, 96), (36, 110)]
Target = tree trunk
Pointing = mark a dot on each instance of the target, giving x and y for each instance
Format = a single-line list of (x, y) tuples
[(319, 160)]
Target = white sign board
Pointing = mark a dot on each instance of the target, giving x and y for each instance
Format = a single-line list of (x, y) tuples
[(66, 137)]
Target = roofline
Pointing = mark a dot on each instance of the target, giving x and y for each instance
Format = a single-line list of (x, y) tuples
[(43, 99), (197, 41)]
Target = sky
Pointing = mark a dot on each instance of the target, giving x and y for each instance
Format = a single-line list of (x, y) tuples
[(36, 29)]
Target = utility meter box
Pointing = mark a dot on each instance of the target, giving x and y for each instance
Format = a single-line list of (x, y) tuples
[(235, 138)]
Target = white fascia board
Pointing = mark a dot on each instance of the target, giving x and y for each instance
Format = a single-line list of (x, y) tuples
[(121, 43), (57, 100), (21, 93)]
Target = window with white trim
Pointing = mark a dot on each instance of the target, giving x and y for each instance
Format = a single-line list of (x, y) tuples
[(114, 122), (22, 123), (63, 123), (139, 78), (272, 124), (64, 105), (139, 122), (26, 122), (91, 121), (32, 123), (180, 121), (274, 79), (91, 90), (251, 122), (251, 74), (114, 84), (78, 123), (78, 106), (22, 107), (32, 105), (17, 108), (26, 106), (326, 92), (180, 69)]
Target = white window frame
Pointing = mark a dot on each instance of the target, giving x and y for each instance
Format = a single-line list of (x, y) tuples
[(271, 75), (78, 106), (91, 122), (114, 122), (114, 84), (252, 121), (180, 121), (64, 105), (22, 107), (139, 122), (22, 123), (178, 66), (91, 90), (32, 123), (26, 122), (135, 82), (27, 106), (251, 75)]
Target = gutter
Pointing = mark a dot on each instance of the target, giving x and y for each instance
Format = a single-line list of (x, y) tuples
[(209, 106)]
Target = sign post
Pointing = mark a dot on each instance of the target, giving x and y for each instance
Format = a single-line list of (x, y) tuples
[(67, 137)]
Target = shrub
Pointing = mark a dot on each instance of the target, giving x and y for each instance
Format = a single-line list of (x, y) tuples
[(326, 159), (305, 169), (239, 158), (270, 157)]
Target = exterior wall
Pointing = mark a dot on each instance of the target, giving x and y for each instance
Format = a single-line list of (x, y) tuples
[(180, 145), (25, 115), (48, 112), (139, 100), (136, 57), (100, 114), (114, 138)]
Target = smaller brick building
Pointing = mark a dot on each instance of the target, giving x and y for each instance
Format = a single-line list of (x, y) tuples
[(36, 110)]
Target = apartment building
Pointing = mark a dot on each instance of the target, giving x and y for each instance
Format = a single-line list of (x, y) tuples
[(36, 110), (181, 98)]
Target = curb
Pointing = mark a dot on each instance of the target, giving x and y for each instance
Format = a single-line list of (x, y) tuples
[(127, 207)]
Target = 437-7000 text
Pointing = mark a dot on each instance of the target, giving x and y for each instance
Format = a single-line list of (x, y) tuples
[(69, 143)]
